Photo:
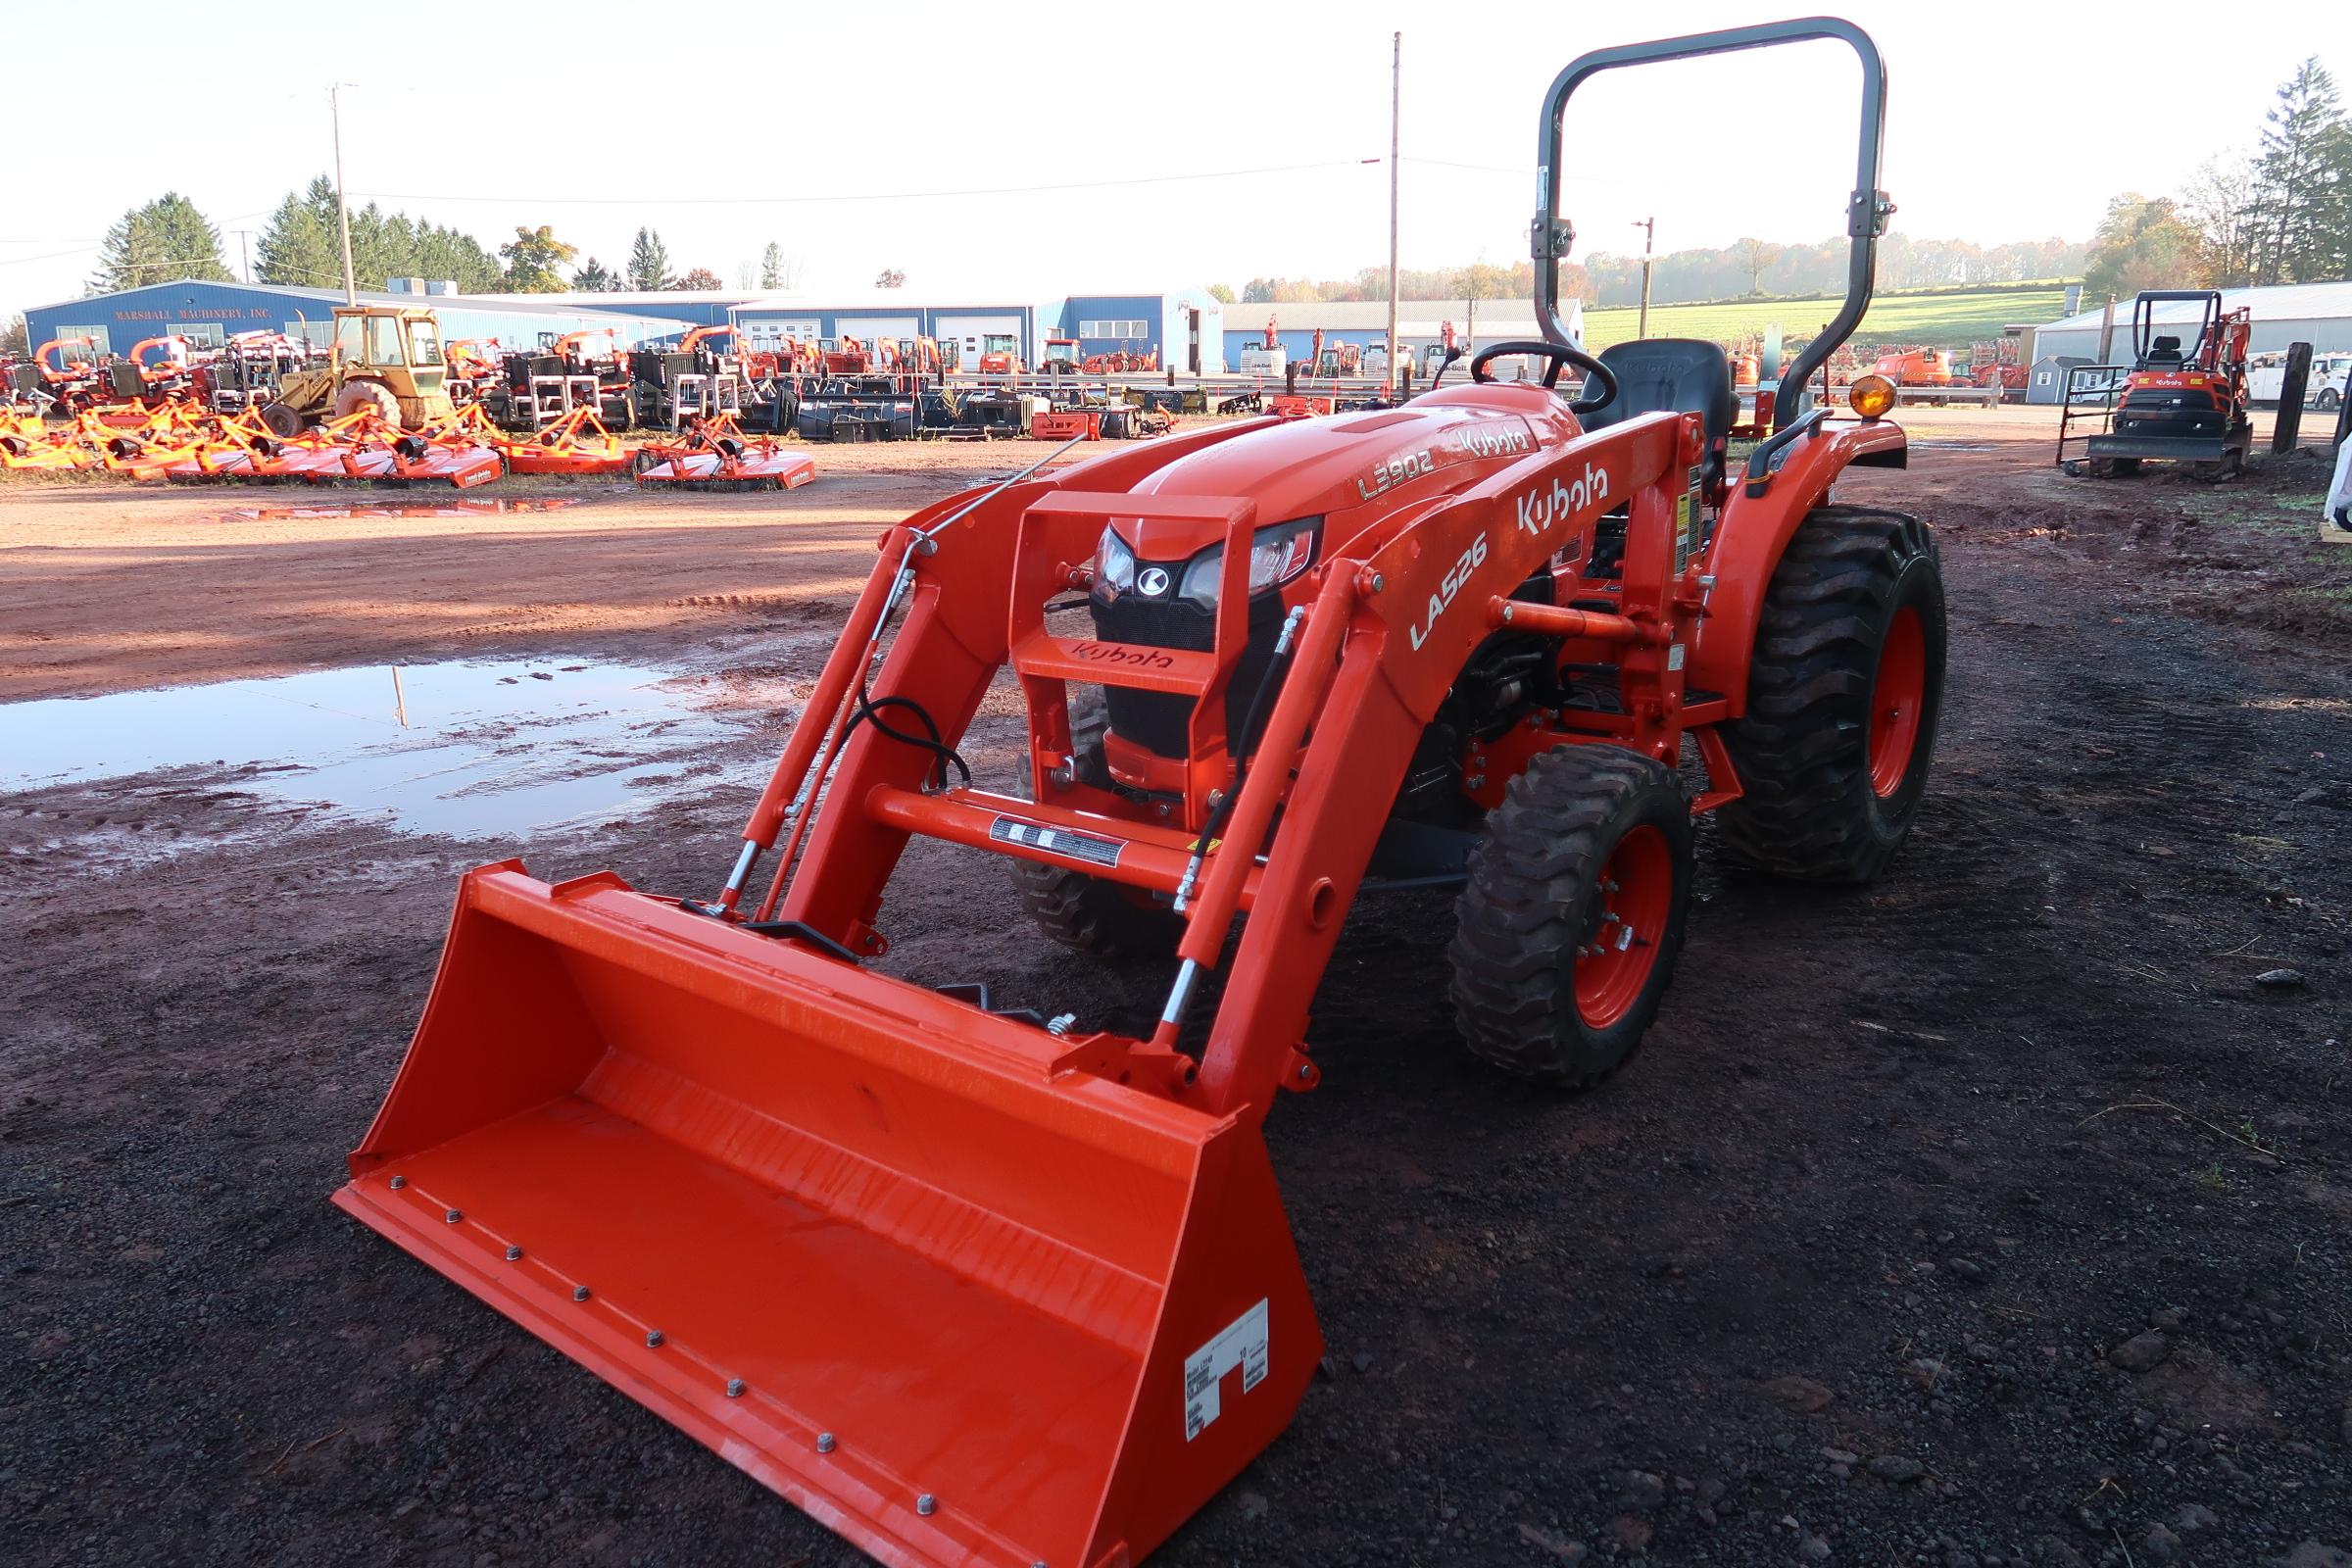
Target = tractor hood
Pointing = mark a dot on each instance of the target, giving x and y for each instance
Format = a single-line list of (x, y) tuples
[(1440, 443)]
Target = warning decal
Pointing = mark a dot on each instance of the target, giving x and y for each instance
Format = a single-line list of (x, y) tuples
[(1243, 1344)]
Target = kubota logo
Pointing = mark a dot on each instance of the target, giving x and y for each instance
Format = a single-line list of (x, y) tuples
[(1498, 440), (1538, 509), (1152, 583), (1122, 654)]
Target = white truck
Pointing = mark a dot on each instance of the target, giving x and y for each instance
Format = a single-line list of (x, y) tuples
[(2267, 373)]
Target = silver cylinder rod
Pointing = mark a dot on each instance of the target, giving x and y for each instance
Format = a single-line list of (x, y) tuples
[(1180, 995)]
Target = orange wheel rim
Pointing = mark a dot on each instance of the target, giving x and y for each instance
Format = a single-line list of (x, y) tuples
[(1896, 695), (1625, 928)]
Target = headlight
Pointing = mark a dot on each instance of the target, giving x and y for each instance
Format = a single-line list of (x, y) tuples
[(1114, 564), (1276, 554)]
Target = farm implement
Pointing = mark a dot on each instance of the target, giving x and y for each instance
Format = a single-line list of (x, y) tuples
[(983, 1284), (576, 444), (715, 454)]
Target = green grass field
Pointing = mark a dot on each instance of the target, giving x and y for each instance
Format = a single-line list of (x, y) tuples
[(1932, 321)]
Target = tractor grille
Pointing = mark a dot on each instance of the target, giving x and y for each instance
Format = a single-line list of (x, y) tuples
[(1160, 721)]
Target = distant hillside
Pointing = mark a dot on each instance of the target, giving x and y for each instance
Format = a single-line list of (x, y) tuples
[(1937, 319)]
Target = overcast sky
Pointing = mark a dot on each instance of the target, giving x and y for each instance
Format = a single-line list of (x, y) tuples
[(1194, 142)]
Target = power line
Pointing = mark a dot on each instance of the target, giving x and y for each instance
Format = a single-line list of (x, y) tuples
[(885, 196)]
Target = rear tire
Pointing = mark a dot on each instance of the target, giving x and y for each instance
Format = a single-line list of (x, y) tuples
[(1843, 694), (282, 421), (372, 396), (1085, 912), (1572, 919)]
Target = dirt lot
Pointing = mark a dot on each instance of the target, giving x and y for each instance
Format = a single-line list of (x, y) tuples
[(1998, 1213)]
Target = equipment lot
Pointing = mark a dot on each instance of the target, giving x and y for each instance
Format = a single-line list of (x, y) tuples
[(1842, 1256)]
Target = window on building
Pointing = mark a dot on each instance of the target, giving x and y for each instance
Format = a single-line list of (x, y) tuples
[(1114, 329), (98, 341), (317, 334), (200, 334)]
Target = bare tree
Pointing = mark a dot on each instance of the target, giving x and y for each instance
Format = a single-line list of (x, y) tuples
[(1757, 257), (2218, 203)]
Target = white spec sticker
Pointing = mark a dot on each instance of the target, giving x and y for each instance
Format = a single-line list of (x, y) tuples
[(1674, 656), (1241, 1343)]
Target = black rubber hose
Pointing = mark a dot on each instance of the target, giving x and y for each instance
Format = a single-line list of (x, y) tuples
[(1260, 709)]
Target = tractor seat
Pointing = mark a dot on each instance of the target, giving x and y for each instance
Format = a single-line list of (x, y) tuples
[(2164, 351), (1671, 375)]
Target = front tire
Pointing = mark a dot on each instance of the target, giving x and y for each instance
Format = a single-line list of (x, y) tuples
[(1844, 690), (1570, 924), (282, 421)]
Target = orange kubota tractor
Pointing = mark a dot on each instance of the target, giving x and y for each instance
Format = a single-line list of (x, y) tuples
[(984, 1285)]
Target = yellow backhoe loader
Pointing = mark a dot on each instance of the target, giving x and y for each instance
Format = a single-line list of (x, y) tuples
[(385, 356)]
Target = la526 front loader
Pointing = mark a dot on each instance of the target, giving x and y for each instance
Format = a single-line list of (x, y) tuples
[(973, 1288)]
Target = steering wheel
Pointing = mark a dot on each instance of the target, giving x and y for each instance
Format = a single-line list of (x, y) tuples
[(1561, 357)]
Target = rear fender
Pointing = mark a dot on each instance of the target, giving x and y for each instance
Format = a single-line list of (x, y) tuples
[(1754, 529)]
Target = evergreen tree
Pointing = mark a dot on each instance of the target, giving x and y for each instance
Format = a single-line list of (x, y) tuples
[(594, 278), (297, 249), (771, 267), (164, 240), (2301, 177), (648, 263), (444, 253)]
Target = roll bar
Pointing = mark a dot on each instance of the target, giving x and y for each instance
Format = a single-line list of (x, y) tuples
[(1867, 211), (2143, 316)]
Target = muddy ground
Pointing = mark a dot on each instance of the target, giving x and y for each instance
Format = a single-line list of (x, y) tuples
[(1998, 1213)]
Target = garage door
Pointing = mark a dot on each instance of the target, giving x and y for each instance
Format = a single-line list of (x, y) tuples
[(966, 337), (868, 327)]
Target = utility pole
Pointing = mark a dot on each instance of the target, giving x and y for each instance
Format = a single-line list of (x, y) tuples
[(1396, 114), (1649, 234), (334, 100), (245, 253)]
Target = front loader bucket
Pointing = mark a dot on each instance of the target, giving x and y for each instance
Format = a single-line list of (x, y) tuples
[(905, 1261)]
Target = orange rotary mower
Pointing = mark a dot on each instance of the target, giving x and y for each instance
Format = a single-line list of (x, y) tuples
[(984, 1285), (715, 454), (579, 444)]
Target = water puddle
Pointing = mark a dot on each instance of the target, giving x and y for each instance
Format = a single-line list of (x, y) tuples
[(501, 750), (485, 506)]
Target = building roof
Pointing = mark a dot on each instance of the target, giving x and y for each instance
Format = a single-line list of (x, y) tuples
[(603, 300), (1349, 315), (520, 304), (2285, 302)]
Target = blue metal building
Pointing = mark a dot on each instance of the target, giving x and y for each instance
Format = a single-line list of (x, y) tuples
[(208, 313), (1187, 328), (763, 320)]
